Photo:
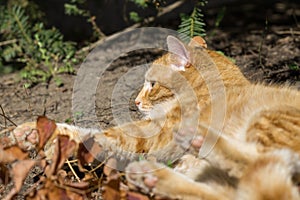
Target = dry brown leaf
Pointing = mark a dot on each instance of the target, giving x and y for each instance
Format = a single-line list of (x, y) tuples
[(20, 171), (58, 193), (51, 191), (45, 127), (74, 196), (136, 196), (12, 154), (112, 190), (78, 185), (4, 175), (64, 147), (87, 151)]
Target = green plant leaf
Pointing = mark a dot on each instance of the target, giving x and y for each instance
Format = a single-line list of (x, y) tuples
[(134, 16), (140, 3)]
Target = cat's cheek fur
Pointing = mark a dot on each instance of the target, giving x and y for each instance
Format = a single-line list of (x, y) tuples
[(178, 67), (147, 86)]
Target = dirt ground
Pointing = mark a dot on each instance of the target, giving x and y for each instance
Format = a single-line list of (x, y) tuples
[(265, 47)]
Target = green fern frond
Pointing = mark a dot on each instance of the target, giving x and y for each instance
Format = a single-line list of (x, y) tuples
[(14, 27), (17, 24), (192, 25), (10, 52)]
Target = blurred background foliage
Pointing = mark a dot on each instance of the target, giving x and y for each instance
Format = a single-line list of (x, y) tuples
[(31, 39), (44, 38)]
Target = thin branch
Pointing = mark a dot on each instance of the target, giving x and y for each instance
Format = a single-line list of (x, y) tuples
[(8, 119), (5, 122), (271, 73), (290, 32), (148, 20), (7, 42), (96, 28)]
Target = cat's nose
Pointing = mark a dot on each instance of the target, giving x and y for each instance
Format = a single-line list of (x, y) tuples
[(137, 102)]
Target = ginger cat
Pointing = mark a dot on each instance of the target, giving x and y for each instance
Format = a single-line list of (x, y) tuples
[(194, 91)]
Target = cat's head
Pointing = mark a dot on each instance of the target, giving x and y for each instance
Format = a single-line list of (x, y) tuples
[(168, 73)]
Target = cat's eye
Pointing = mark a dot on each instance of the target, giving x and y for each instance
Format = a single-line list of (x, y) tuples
[(152, 83)]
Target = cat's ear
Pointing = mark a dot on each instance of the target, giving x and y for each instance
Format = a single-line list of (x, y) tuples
[(177, 47), (198, 41)]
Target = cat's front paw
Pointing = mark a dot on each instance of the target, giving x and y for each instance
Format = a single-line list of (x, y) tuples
[(141, 175), (188, 139), (159, 180), (26, 135), (154, 179)]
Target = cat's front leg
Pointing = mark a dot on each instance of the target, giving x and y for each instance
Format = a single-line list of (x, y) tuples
[(26, 135), (158, 179)]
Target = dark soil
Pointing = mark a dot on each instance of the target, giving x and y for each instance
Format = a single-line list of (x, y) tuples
[(263, 41)]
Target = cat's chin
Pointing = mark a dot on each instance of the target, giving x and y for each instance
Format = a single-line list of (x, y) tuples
[(145, 112), (146, 115)]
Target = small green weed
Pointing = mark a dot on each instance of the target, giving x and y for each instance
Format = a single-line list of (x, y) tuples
[(43, 52), (78, 115), (294, 66), (141, 157), (134, 16), (170, 163)]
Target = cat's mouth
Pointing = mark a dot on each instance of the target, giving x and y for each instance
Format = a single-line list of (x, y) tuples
[(145, 111)]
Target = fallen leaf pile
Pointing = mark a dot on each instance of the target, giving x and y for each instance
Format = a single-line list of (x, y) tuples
[(62, 178)]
